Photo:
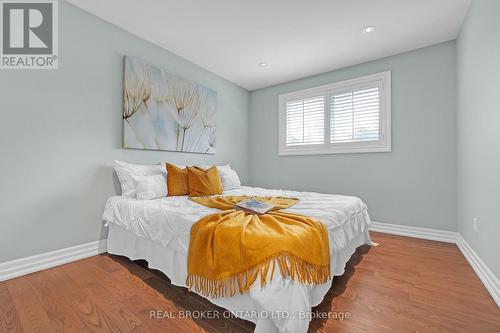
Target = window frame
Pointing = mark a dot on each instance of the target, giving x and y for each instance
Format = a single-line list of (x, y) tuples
[(382, 80)]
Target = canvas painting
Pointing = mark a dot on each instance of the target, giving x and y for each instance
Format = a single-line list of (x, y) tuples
[(162, 111)]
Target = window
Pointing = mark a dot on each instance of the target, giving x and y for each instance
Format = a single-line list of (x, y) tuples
[(351, 116)]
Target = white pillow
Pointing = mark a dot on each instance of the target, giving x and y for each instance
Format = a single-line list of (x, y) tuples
[(228, 177), (150, 187), (126, 172)]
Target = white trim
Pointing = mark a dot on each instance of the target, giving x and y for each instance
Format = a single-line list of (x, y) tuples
[(23, 266), (415, 232), (338, 150), (486, 276), (489, 280), (384, 144)]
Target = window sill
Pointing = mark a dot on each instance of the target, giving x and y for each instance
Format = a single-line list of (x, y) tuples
[(350, 150)]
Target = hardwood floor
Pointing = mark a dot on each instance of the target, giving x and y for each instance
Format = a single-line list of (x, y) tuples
[(402, 285)]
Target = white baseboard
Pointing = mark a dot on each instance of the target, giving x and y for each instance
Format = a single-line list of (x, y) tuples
[(486, 276), (23, 266), (489, 279), (415, 232)]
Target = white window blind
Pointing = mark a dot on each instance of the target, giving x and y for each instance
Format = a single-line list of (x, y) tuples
[(305, 121), (355, 116), (351, 116)]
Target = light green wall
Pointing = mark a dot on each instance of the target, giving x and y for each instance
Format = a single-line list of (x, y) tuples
[(478, 139), (61, 130), (413, 185)]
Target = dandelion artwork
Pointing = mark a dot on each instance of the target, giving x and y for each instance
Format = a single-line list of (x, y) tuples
[(162, 111)]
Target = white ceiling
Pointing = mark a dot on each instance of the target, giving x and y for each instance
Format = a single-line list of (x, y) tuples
[(297, 38)]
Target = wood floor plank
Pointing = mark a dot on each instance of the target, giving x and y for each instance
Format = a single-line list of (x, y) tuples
[(402, 285), (100, 307), (56, 305), (142, 307), (33, 317), (124, 265), (9, 319), (94, 317)]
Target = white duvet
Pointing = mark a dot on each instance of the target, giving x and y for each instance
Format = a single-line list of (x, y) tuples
[(283, 304)]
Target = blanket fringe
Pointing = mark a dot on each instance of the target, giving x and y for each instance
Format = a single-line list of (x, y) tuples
[(290, 266)]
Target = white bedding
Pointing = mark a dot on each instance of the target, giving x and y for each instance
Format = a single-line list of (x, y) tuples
[(158, 230)]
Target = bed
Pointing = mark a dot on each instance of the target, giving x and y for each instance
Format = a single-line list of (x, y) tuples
[(159, 230)]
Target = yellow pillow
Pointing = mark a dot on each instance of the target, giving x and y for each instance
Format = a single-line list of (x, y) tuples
[(177, 180), (203, 182)]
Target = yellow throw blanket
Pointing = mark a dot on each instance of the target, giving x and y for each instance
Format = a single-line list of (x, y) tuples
[(228, 250)]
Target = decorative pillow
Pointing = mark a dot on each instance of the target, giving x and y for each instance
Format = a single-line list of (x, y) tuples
[(177, 180), (204, 182), (150, 187), (126, 172), (228, 177)]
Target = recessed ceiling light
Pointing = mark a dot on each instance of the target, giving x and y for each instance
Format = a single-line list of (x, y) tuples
[(368, 29), (262, 64)]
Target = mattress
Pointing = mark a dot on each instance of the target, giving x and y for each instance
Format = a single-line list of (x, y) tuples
[(159, 230)]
